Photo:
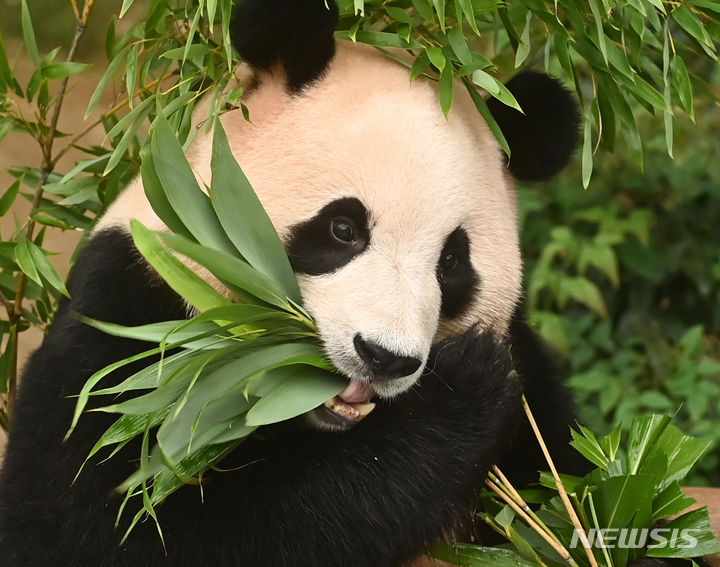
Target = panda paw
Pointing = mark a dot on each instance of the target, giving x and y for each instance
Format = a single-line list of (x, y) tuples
[(474, 361)]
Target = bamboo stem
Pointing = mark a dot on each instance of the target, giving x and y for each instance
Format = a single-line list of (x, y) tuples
[(561, 489), (48, 165), (559, 549)]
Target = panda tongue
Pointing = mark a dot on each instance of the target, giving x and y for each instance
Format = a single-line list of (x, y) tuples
[(357, 392)]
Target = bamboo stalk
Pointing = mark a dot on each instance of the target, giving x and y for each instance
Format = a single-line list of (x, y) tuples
[(559, 549), (48, 165), (505, 483), (561, 489)]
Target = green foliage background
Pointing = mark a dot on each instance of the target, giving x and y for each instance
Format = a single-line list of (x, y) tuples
[(623, 277)]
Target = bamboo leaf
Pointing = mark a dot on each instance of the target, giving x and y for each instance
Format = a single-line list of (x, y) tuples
[(446, 88), (255, 238), (298, 392), (177, 275), (189, 202), (29, 35)]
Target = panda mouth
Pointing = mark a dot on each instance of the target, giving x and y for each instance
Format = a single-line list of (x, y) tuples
[(353, 404)]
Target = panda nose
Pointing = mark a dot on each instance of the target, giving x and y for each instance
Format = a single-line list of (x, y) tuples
[(384, 364)]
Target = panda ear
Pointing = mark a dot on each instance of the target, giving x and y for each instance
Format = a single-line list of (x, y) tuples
[(542, 139), (294, 34)]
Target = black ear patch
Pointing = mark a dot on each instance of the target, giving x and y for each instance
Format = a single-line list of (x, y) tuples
[(297, 34), (543, 139)]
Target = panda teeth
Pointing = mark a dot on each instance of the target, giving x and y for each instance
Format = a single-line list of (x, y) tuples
[(364, 409), (355, 412)]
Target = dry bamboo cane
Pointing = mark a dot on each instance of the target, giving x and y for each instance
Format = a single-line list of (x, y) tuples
[(561, 489)]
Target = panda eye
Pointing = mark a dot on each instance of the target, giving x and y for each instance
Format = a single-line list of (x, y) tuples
[(448, 262), (342, 230)]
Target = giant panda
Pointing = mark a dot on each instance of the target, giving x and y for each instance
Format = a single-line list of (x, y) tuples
[(401, 227)]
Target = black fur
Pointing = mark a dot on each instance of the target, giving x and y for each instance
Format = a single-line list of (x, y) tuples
[(376, 495), (543, 139), (460, 283), (296, 34), (551, 404), (313, 250)]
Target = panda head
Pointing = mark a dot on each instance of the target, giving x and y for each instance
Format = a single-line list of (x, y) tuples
[(400, 224)]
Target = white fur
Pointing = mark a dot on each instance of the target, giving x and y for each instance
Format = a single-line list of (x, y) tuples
[(365, 131)]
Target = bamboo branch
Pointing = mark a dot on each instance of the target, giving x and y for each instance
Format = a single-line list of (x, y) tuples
[(559, 549), (560, 488), (48, 165)]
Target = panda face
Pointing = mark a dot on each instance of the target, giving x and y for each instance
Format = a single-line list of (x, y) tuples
[(400, 224)]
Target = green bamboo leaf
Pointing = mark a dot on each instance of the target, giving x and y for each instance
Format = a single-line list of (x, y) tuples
[(8, 198), (220, 383), (62, 70), (178, 276), (191, 205), (495, 88), (437, 58), (670, 502), (484, 111), (211, 423), (470, 555), (381, 39), (469, 13), (24, 259), (127, 427), (7, 79), (211, 7), (445, 89), (255, 238), (425, 9), (687, 20), (398, 14), (420, 65), (86, 390), (523, 49), (459, 45), (45, 269), (599, 19), (440, 11), (587, 154), (682, 85), (644, 432), (359, 7), (125, 7), (231, 270), (134, 121), (105, 80), (298, 392), (29, 35), (156, 194), (702, 542), (590, 448), (682, 452)]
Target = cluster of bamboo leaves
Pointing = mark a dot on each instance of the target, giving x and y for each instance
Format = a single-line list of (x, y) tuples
[(636, 485), (622, 57), (234, 366)]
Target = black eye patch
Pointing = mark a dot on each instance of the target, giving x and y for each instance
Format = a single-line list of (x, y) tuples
[(455, 274), (330, 239)]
